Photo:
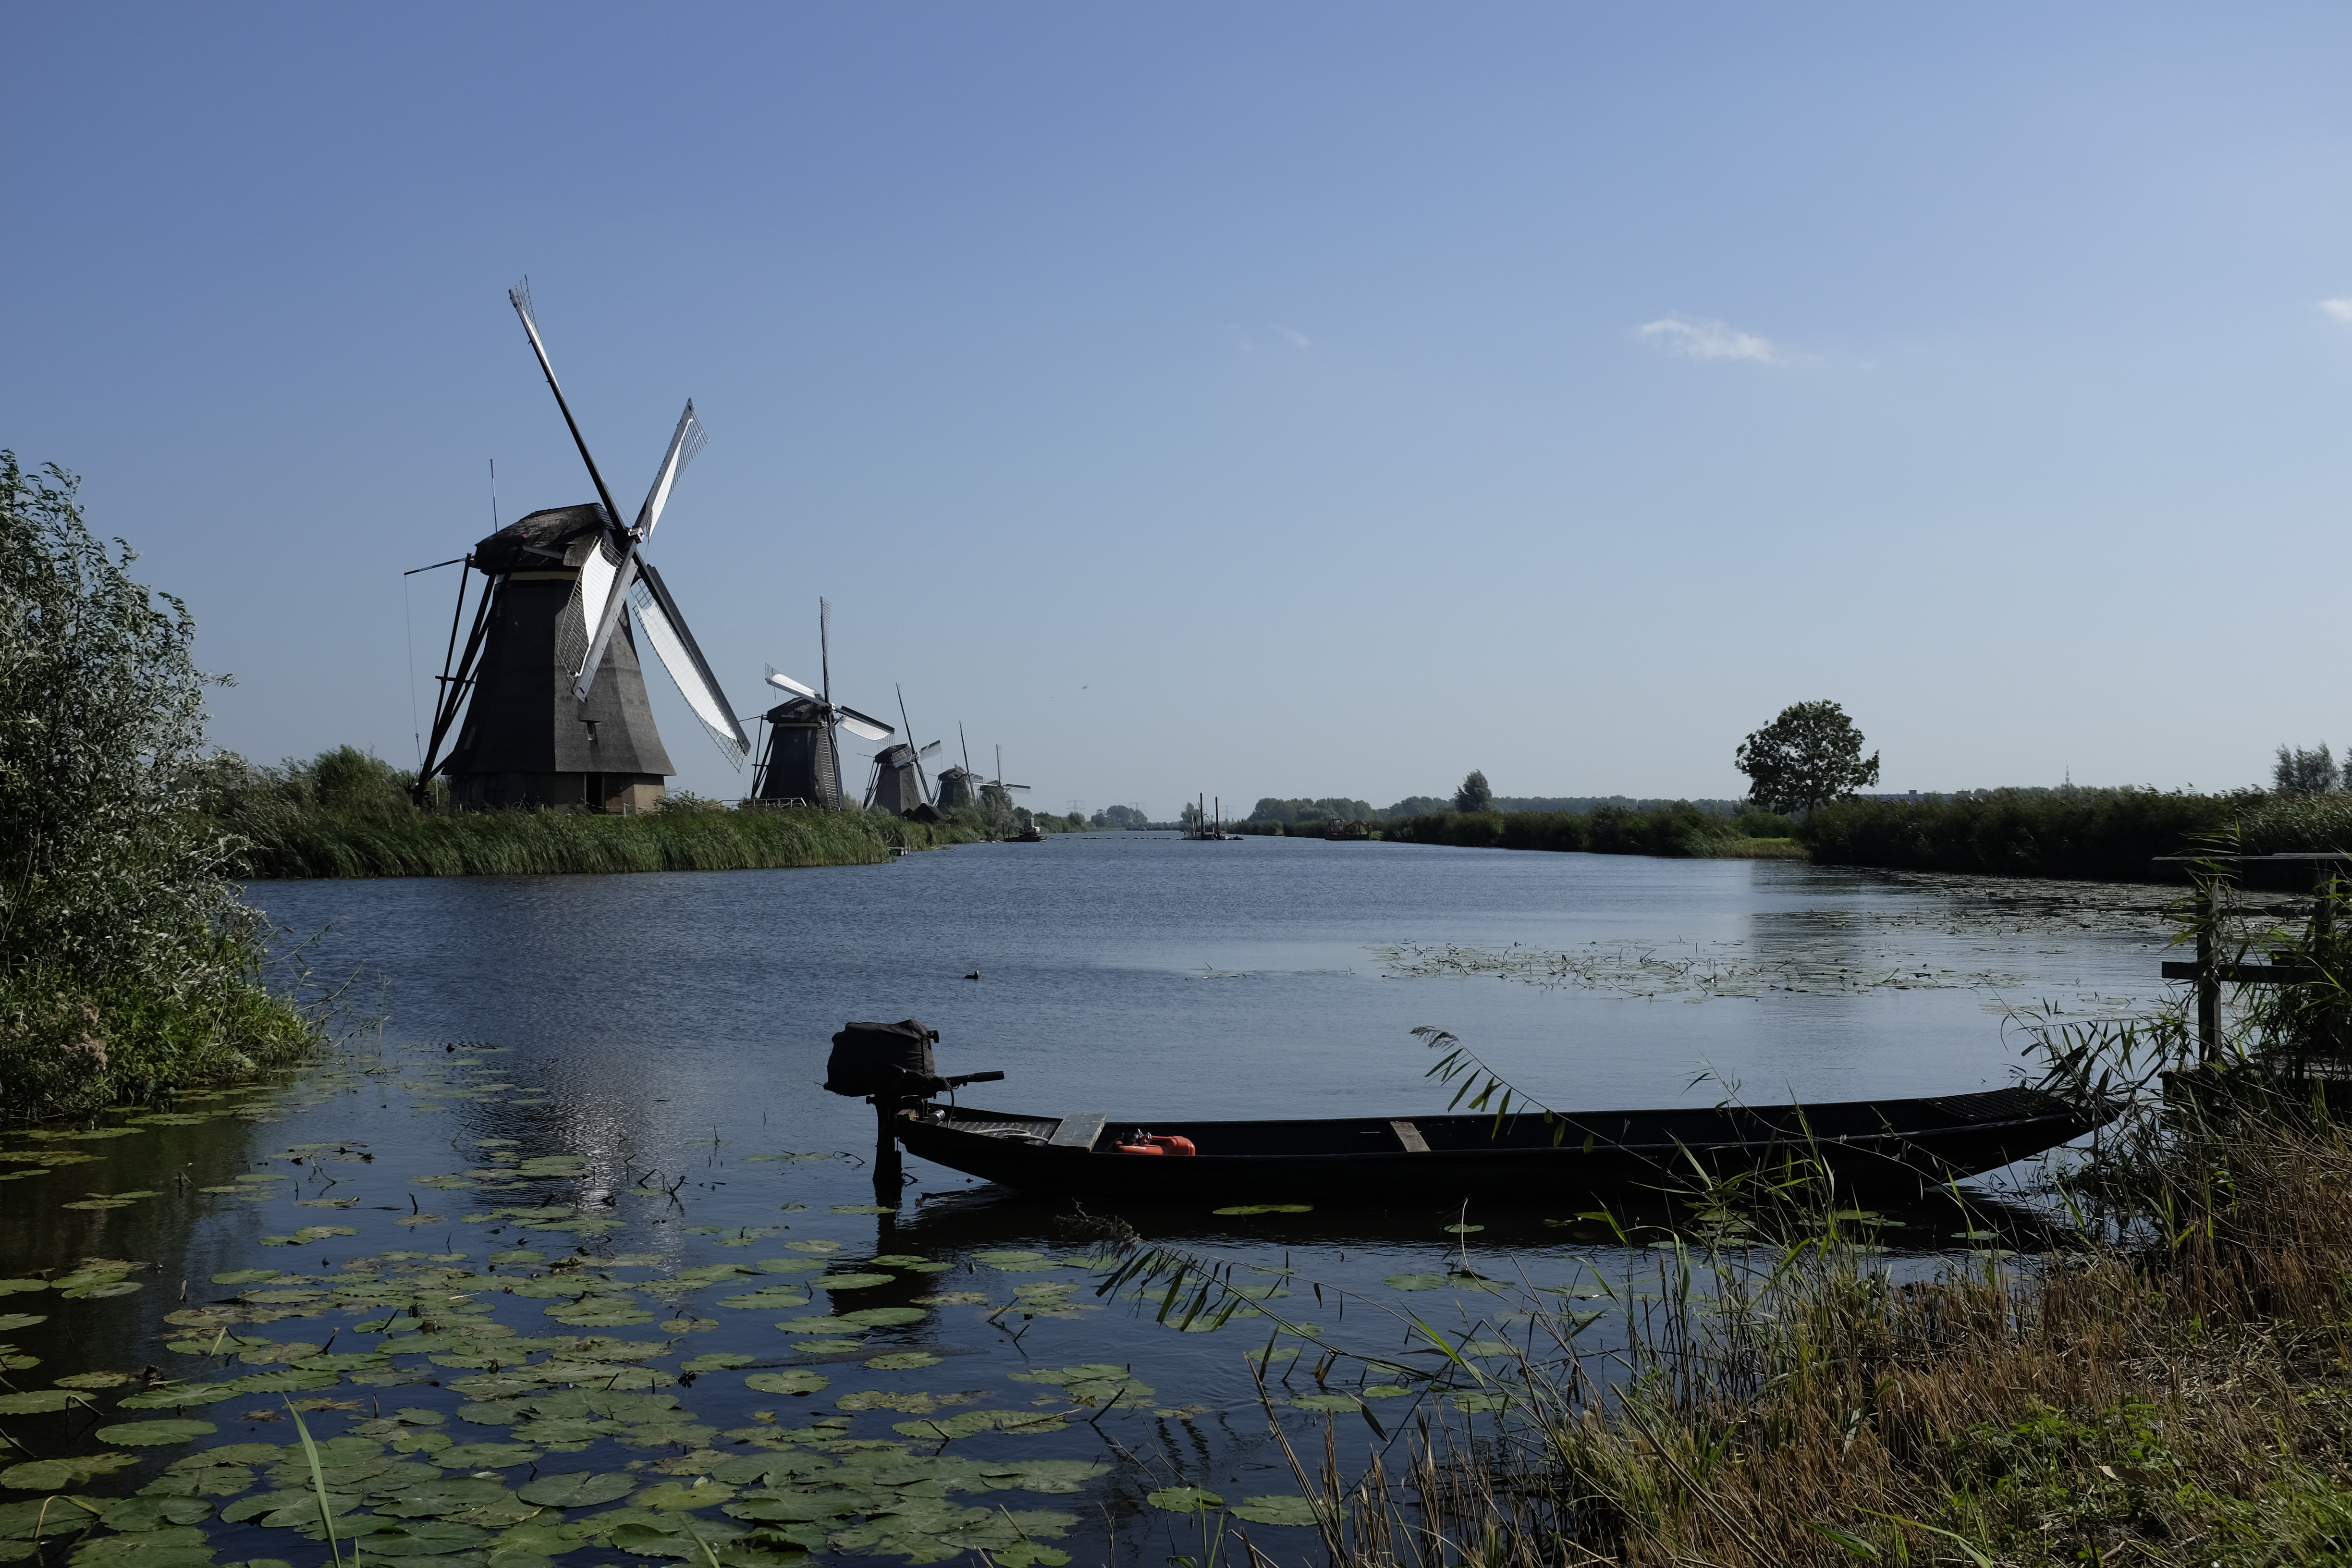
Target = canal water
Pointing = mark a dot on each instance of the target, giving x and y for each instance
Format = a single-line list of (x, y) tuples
[(564, 1256)]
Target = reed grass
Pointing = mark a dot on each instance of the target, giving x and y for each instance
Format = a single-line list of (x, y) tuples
[(325, 842), (2105, 835)]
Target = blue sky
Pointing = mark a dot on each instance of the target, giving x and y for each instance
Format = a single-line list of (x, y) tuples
[(1298, 400)]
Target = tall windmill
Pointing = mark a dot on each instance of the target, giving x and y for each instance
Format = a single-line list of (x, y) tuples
[(997, 784), (803, 760), (554, 698), (959, 786), (897, 784)]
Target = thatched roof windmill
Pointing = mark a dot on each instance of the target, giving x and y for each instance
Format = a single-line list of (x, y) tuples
[(803, 764), (554, 698), (897, 784)]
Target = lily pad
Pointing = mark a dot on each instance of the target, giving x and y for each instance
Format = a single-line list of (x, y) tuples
[(155, 1434), (798, 1380), (245, 1275), (57, 1475), (863, 1208), (41, 1401), (181, 1546), (903, 1361), (581, 1489), (15, 1286), (9, 1320), (1265, 1208), (852, 1281), (1321, 1401), (1276, 1510), (1183, 1499)]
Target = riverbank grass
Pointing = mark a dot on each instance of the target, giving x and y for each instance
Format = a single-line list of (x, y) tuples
[(331, 842)]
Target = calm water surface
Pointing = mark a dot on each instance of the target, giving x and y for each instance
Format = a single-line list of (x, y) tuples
[(623, 1071)]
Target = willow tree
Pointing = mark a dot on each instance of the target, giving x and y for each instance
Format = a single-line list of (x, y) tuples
[(116, 902)]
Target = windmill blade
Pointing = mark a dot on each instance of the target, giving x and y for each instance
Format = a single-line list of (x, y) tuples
[(1001, 785), (666, 628), (934, 746), (685, 442), (864, 726), (777, 677), (603, 589), (520, 298)]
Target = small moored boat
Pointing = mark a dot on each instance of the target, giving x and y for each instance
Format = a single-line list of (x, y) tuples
[(1878, 1144)]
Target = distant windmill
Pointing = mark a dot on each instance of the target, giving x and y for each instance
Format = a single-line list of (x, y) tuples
[(803, 760), (897, 784), (959, 786), (998, 784), (557, 715)]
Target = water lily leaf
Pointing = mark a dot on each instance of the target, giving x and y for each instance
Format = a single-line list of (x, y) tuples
[(1475, 1401), (13, 1286), (1012, 1422), (1030, 1554), (135, 1514), (1463, 1229), (9, 1320), (57, 1475), (817, 1244), (245, 1275), (484, 1456), (96, 1289), (1006, 1258), (717, 1360), (180, 1546), (1276, 1510), (424, 1537), (828, 1346), (1183, 1499), (1321, 1401), (601, 1312), (1430, 1282), (798, 1380), (878, 1317), (789, 1265), (41, 1401), (772, 1297), (1265, 1208), (581, 1489), (852, 1281), (1387, 1391), (155, 1434), (670, 1495), (863, 1208), (904, 1361)]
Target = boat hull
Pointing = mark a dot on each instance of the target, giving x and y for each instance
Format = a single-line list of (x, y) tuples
[(1895, 1147)]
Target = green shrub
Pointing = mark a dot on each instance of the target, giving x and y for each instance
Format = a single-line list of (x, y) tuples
[(2109, 835)]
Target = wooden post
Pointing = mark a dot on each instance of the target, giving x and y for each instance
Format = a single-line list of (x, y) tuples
[(888, 1183), (2208, 986)]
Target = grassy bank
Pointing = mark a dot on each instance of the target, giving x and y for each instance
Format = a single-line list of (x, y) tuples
[(71, 1045), (329, 842), (1677, 829)]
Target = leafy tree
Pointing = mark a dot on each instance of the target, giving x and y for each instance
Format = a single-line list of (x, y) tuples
[(2301, 772), (1474, 795), (1810, 755), (1120, 816), (104, 867)]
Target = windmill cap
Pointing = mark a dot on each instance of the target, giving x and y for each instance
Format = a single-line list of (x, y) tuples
[(520, 547)]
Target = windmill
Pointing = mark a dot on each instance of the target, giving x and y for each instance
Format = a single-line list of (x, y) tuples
[(897, 784), (555, 705), (959, 786), (803, 760)]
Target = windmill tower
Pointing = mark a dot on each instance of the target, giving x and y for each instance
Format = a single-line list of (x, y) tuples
[(803, 765), (959, 786), (554, 698), (897, 784)]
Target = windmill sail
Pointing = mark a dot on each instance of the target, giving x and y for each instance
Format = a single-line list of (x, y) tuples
[(666, 630), (600, 601)]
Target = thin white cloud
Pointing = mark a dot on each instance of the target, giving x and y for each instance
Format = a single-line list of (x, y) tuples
[(2338, 310), (1295, 339), (1708, 340)]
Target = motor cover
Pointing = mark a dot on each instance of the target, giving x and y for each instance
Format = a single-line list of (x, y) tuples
[(882, 1059)]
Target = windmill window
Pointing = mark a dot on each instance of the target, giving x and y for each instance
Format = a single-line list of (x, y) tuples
[(592, 730)]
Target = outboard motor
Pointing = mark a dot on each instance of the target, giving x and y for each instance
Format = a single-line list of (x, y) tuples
[(886, 1060), (889, 1063)]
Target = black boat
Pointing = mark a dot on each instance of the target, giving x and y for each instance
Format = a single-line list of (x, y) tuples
[(1881, 1144)]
